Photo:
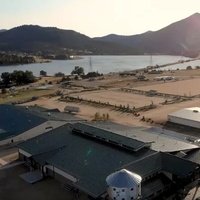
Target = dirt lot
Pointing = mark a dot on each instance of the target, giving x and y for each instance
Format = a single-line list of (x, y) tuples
[(159, 114), (193, 194), (118, 97), (47, 79), (13, 187), (87, 111), (188, 84), (185, 87), (116, 81)]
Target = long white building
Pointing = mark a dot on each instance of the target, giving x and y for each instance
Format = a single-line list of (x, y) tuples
[(187, 116)]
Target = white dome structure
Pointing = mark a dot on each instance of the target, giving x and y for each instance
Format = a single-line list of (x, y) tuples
[(124, 185)]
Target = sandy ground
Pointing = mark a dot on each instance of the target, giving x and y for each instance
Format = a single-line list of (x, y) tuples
[(11, 157), (8, 155), (87, 111), (159, 114), (48, 103), (3, 162), (185, 87), (117, 97), (192, 194), (116, 81), (48, 78)]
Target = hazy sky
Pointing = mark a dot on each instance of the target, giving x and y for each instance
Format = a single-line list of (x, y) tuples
[(97, 17)]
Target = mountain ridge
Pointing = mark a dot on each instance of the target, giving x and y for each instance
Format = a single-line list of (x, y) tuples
[(36, 38), (179, 38)]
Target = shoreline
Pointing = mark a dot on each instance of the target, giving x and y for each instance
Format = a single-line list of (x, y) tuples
[(34, 60), (112, 70), (162, 66)]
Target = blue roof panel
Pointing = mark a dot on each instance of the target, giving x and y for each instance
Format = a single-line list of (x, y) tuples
[(15, 120)]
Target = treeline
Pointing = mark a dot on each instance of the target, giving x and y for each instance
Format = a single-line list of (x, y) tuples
[(12, 59), (56, 56), (16, 78), (80, 72)]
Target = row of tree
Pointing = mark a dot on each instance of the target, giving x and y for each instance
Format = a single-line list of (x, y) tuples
[(80, 71), (21, 77), (17, 78), (12, 59), (77, 71)]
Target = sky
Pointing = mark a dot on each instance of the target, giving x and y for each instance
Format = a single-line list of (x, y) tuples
[(97, 17)]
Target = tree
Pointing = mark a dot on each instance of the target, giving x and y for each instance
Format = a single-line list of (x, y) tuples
[(3, 91), (107, 116), (97, 116), (59, 74), (197, 67), (78, 70), (92, 75), (188, 68), (17, 77), (76, 78), (6, 78), (28, 77), (43, 73)]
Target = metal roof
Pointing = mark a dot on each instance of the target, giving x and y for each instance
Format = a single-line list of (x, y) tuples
[(193, 156), (192, 114), (14, 121), (52, 114), (146, 166), (109, 137), (160, 161), (177, 166), (152, 186), (88, 160), (123, 179), (160, 139)]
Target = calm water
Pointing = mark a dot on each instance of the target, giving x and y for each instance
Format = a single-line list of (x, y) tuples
[(102, 64)]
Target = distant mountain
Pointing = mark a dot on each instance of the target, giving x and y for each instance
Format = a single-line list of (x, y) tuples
[(182, 37), (32, 38), (179, 38)]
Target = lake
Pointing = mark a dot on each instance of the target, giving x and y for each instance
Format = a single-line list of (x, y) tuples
[(102, 64)]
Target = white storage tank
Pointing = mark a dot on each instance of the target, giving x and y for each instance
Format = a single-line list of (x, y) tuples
[(124, 185)]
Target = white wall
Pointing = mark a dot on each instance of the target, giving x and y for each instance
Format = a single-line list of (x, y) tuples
[(60, 172), (124, 193), (182, 121), (24, 153)]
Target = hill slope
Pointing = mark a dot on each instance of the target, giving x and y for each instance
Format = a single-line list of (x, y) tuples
[(31, 38), (182, 37)]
